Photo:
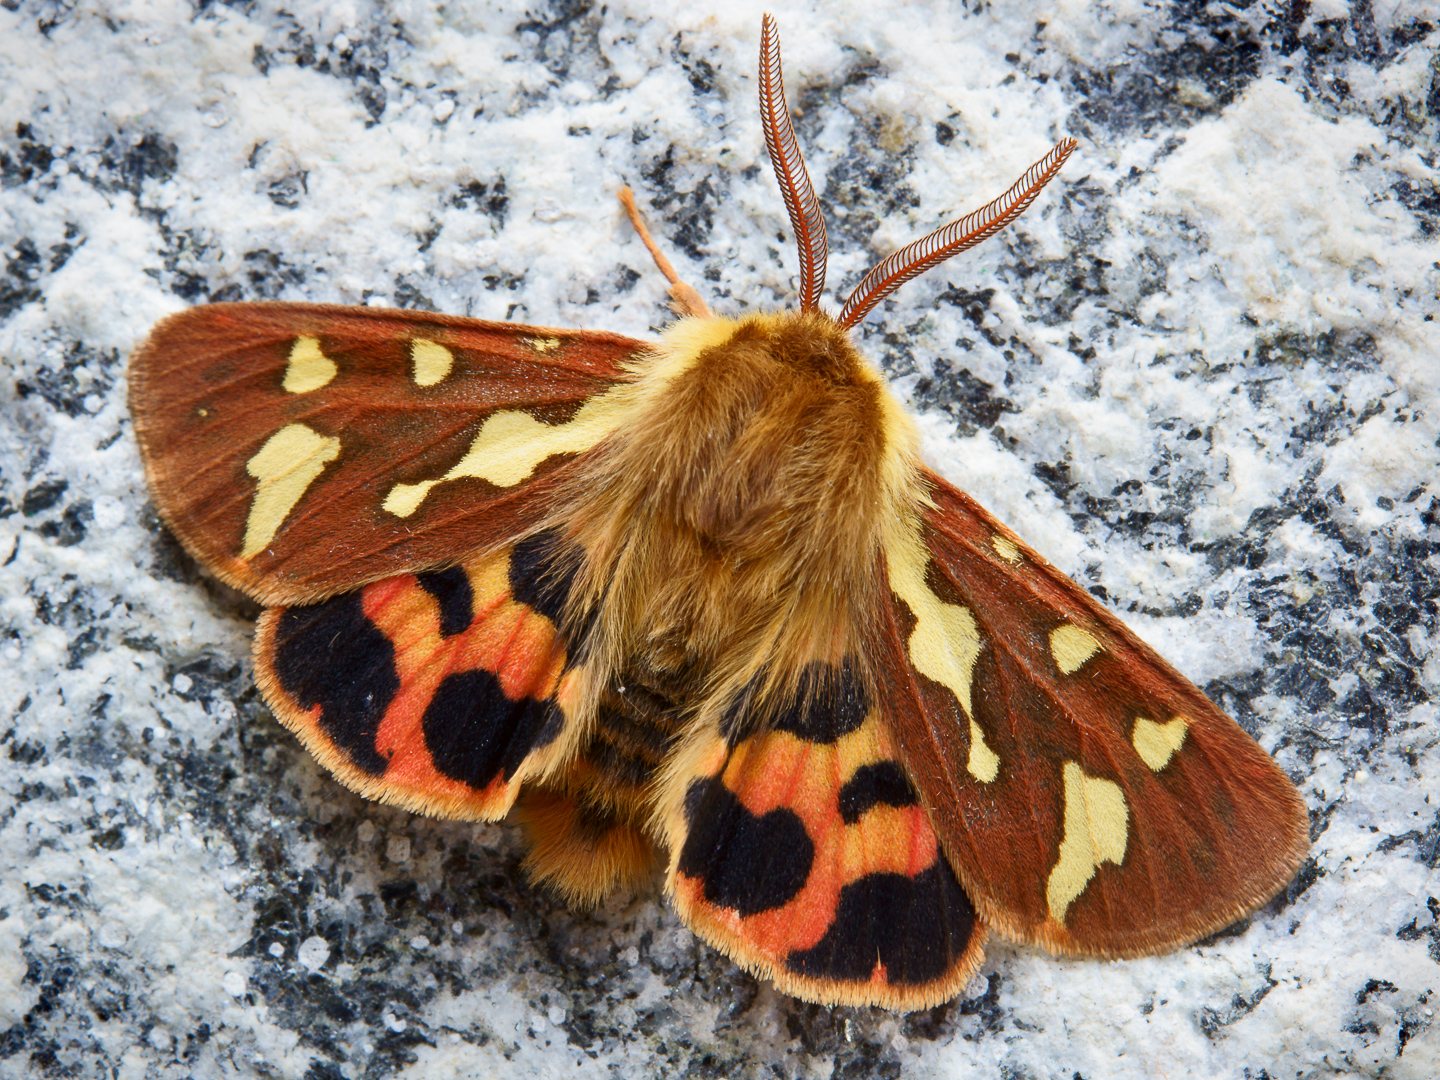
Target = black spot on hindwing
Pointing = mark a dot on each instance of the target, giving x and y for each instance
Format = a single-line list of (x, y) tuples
[(474, 732), (333, 656), (882, 783), (828, 702), (451, 590), (748, 863), (916, 927), (542, 573), (543, 569)]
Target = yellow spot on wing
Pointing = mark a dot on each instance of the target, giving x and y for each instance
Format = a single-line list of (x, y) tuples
[(284, 468), (1156, 743), (1096, 826), (1005, 548), (945, 642), (405, 499), (543, 344), (309, 368), (432, 361), (983, 763), (1071, 647), (510, 444)]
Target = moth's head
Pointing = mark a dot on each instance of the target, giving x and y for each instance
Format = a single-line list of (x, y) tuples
[(809, 225), (810, 342), (773, 346)]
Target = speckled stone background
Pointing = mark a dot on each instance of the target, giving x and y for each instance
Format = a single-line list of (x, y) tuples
[(1201, 375)]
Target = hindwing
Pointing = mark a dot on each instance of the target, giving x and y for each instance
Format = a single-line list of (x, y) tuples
[(801, 847), (440, 691)]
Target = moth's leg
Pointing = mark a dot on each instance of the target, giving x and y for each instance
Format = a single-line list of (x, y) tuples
[(684, 300)]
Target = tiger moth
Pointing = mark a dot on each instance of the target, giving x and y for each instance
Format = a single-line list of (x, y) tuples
[(698, 603)]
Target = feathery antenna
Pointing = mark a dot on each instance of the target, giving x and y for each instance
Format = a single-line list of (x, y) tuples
[(795, 186), (931, 250)]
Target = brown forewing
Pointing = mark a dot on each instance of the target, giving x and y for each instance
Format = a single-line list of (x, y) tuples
[(206, 393), (1211, 835)]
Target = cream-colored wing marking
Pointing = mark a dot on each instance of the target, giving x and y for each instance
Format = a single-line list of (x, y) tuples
[(432, 362), (1096, 830), (284, 468), (945, 643), (1156, 743), (308, 368), (1071, 647), (512, 443)]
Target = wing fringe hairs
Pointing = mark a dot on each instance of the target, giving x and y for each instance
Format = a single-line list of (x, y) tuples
[(699, 604)]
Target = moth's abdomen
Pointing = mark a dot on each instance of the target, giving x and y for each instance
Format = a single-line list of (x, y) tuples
[(634, 732), (589, 828)]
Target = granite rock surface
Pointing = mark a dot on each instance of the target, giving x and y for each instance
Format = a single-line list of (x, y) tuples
[(1202, 375)]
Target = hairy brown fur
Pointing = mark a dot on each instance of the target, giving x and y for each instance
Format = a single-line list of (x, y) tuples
[(732, 531), (582, 851), (735, 524)]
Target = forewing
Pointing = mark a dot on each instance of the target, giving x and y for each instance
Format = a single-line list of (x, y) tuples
[(1091, 799), (801, 848), (441, 691), (299, 450)]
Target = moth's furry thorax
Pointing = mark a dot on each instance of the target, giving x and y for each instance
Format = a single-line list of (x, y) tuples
[(735, 521)]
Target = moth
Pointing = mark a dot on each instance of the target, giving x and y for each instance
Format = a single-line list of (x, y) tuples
[(699, 603)]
